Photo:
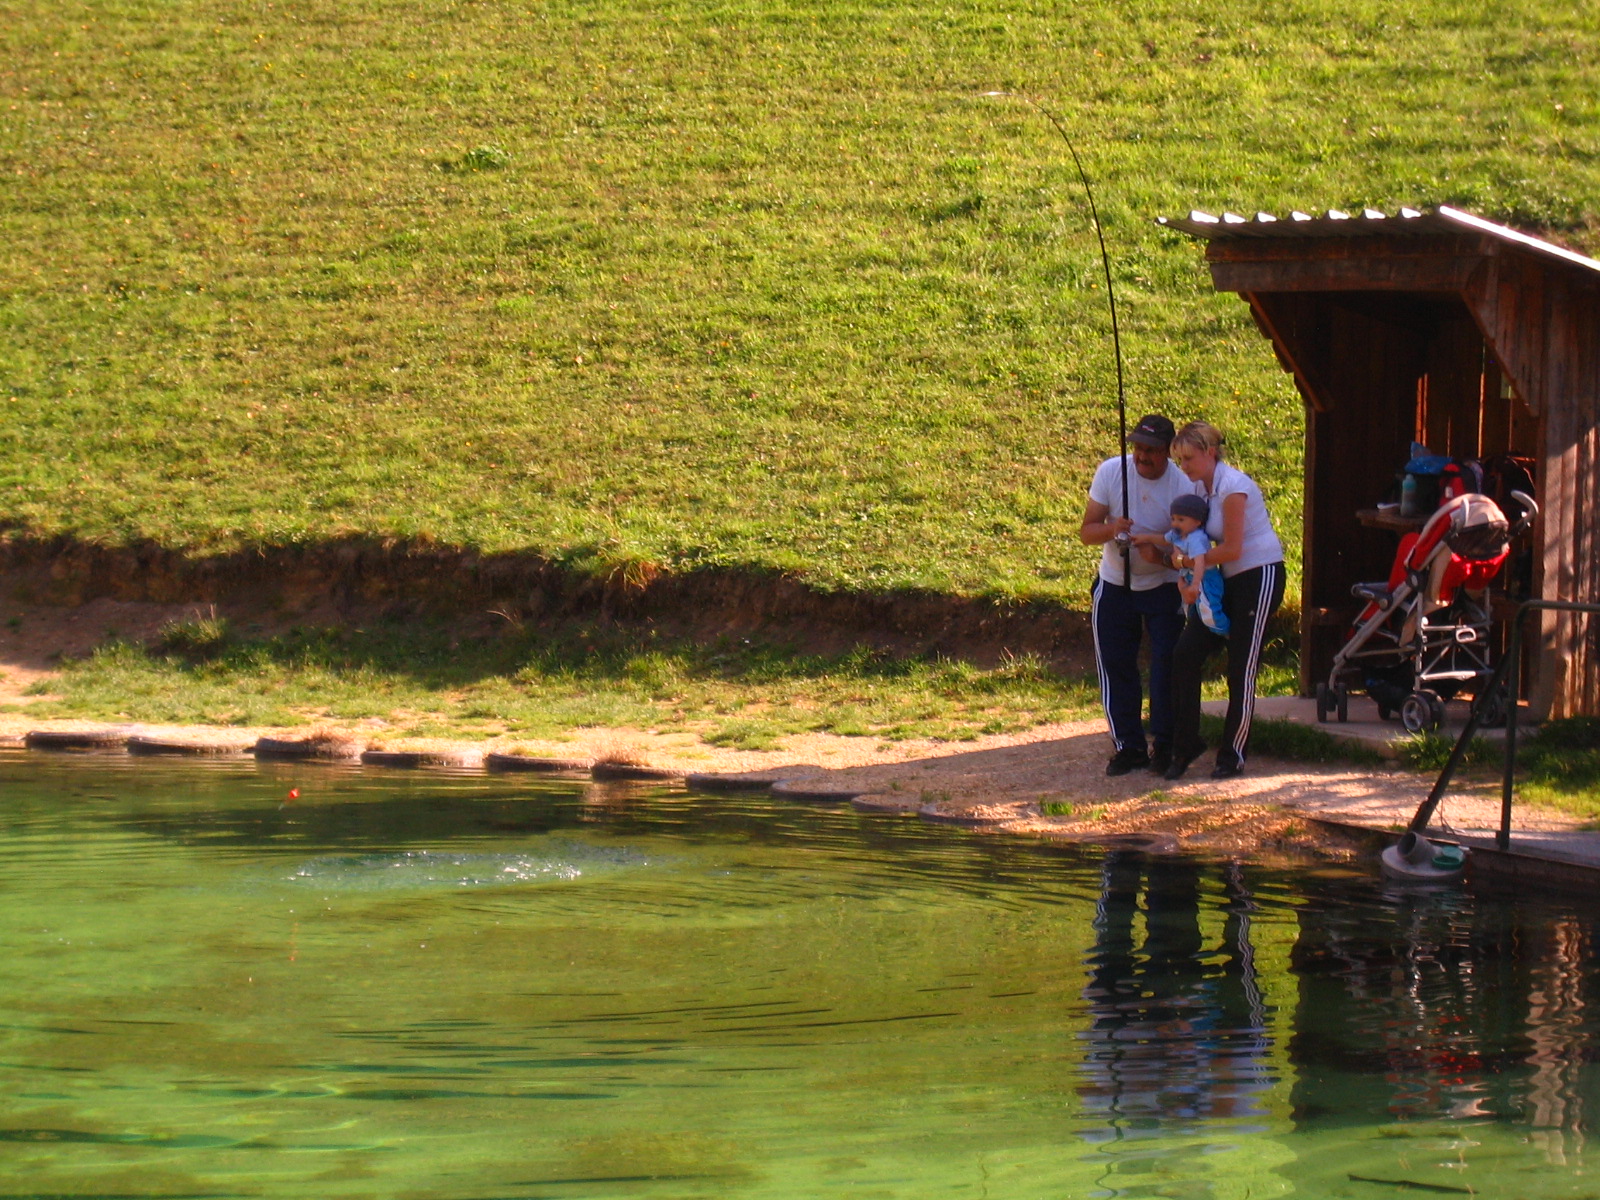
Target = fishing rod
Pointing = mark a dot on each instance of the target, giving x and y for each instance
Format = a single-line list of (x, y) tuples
[(1111, 300)]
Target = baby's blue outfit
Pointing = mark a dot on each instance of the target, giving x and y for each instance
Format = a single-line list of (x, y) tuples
[(1209, 604)]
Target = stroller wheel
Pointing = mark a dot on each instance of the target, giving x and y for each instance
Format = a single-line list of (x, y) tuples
[(1422, 712), (1341, 703), (1323, 705), (1492, 709)]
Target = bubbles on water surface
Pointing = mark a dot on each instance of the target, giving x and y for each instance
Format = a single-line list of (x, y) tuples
[(426, 869)]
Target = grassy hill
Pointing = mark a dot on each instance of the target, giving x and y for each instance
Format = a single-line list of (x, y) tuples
[(752, 283)]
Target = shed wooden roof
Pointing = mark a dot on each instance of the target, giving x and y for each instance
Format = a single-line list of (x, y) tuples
[(1370, 222)]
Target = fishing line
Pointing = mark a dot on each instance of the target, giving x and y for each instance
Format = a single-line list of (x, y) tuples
[(1111, 300)]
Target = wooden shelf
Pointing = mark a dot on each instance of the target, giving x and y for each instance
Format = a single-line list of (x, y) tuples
[(1389, 518), (1330, 615)]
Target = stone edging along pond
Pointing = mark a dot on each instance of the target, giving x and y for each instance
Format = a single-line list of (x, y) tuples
[(800, 782)]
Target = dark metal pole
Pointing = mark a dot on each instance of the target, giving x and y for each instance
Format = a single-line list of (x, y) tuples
[(1505, 675), (1513, 686), (1424, 813), (1111, 300)]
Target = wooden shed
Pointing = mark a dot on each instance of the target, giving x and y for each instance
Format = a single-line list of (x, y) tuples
[(1467, 336)]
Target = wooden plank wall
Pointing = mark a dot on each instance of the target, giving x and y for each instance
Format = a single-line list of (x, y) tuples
[(1542, 322), (1506, 423), (1359, 376), (1452, 391), (1571, 555)]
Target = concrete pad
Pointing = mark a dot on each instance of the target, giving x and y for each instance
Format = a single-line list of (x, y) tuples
[(1363, 727), (1576, 847)]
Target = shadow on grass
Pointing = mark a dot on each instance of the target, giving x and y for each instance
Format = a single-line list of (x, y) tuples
[(1298, 743), (739, 692), (440, 656)]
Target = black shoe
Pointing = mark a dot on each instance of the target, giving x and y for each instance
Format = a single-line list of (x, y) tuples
[(1227, 770), (1180, 765), (1124, 761), (1161, 759)]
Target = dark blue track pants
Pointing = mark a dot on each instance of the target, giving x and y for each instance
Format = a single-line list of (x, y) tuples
[(1121, 616)]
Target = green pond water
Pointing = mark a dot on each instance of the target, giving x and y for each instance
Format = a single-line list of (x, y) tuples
[(471, 987)]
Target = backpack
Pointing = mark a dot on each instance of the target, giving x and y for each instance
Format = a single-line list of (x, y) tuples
[(1504, 474), (1460, 476)]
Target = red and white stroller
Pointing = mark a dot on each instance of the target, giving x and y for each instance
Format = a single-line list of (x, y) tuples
[(1424, 635)]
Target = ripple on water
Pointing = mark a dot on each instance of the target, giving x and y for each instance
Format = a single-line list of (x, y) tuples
[(425, 869)]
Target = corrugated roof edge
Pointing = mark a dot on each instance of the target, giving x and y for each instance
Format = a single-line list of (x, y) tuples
[(1408, 221)]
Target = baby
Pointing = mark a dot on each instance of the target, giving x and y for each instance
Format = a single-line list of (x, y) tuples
[(1200, 588)]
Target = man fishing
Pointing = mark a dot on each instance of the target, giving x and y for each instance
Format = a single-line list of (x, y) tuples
[(1134, 592)]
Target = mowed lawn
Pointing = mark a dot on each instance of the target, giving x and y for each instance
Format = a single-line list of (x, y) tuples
[(762, 283)]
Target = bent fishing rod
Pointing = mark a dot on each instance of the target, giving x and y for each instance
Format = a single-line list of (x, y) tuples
[(1111, 300)]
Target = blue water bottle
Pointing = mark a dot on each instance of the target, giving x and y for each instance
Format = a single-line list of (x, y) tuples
[(1408, 495)]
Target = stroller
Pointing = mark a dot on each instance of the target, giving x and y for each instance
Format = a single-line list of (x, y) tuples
[(1424, 635)]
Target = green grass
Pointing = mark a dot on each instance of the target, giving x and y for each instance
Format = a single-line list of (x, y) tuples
[(429, 681), (760, 282), (1061, 808), (1558, 763), (1285, 739), (1428, 752)]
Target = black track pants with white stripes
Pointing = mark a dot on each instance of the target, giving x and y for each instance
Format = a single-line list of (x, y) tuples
[(1249, 598)]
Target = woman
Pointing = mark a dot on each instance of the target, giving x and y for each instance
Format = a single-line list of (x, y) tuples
[(1251, 557)]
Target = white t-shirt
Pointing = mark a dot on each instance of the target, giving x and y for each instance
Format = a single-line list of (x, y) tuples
[(1151, 501), (1261, 544)]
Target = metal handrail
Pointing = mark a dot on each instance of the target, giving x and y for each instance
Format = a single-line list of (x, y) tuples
[(1505, 677)]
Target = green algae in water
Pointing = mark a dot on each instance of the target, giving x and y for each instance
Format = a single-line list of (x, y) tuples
[(447, 986)]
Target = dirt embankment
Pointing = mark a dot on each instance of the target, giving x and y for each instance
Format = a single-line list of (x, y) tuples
[(356, 579), (359, 579)]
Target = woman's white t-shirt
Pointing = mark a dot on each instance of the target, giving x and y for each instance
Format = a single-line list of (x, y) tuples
[(1261, 545), (1151, 501)]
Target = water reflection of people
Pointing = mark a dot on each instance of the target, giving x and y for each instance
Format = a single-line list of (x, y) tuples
[(1177, 1025)]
